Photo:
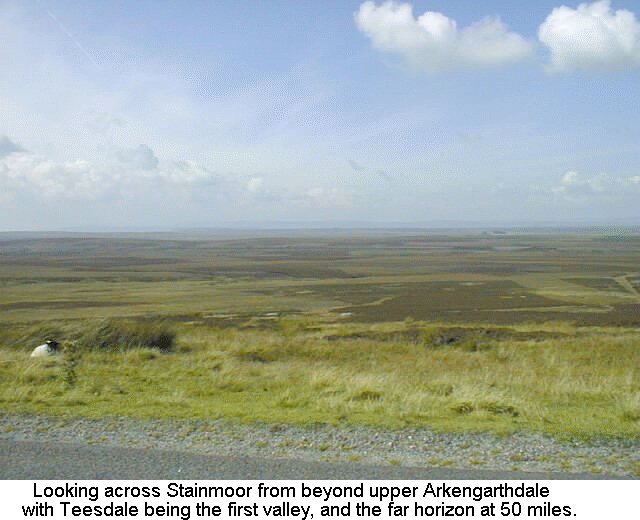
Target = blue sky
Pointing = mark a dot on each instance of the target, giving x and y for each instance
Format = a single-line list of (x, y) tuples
[(171, 114)]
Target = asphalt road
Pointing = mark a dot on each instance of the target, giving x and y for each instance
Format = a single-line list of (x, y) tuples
[(59, 461)]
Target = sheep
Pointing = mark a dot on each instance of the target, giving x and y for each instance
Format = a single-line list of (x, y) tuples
[(50, 348)]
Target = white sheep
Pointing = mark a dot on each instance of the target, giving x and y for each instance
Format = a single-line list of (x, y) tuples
[(50, 348)]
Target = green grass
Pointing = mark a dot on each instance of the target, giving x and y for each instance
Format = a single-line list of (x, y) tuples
[(583, 384)]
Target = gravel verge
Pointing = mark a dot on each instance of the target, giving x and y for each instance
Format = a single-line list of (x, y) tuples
[(356, 444)]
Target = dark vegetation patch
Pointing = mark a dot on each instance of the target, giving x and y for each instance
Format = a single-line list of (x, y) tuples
[(626, 315), (427, 300), (494, 408), (92, 277), (116, 262), (367, 395), (108, 334), (505, 268), (118, 334), (84, 246), (251, 357), (58, 304), (274, 270), (101, 263), (411, 335), (293, 251), (443, 336), (602, 284), (356, 294)]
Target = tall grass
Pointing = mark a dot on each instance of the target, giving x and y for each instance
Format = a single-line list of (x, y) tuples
[(111, 334), (584, 382), (119, 335)]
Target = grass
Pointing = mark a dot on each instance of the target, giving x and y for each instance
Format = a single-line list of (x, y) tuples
[(108, 334), (113, 334), (584, 384)]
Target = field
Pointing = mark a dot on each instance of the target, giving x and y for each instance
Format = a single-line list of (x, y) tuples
[(502, 331)]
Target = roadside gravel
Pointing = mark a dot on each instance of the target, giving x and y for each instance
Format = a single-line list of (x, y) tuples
[(355, 444)]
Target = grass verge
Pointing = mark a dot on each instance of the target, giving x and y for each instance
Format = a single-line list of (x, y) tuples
[(578, 383)]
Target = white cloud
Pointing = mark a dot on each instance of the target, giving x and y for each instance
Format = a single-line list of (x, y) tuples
[(46, 179), (137, 175), (591, 37), (432, 42), (575, 186), (135, 171)]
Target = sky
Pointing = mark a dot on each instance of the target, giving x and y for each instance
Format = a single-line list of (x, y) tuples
[(166, 115)]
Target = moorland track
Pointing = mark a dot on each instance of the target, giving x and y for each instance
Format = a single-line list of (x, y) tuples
[(624, 282)]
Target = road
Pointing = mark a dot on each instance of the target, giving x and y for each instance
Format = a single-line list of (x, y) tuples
[(21, 459)]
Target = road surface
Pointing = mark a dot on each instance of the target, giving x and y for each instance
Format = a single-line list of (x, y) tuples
[(27, 459)]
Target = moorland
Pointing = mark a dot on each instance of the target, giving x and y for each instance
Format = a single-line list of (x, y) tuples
[(462, 330)]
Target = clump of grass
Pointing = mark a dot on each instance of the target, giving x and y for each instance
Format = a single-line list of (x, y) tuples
[(440, 389), (70, 360), (463, 408), (493, 407), (121, 335), (630, 407), (498, 408), (367, 395)]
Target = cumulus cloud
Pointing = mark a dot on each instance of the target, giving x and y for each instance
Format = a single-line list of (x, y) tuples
[(134, 171), (46, 179), (576, 186), (138, 174), (573, 183), (433, 42), (591, 37)]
